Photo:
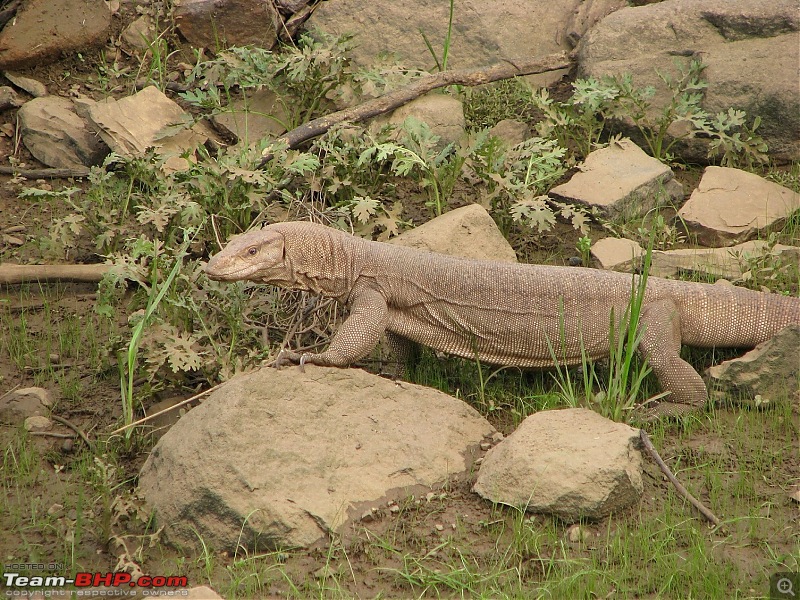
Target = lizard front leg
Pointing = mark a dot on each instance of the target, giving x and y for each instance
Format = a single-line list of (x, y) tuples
[(355, 338)]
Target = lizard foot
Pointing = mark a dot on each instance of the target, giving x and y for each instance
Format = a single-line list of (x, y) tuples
[(672, 410), (286, 357)]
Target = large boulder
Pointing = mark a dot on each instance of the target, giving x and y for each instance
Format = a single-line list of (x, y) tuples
[(279, 458), (572, 463), (468, 232), (752, 50), (43, 30), (483, 32)]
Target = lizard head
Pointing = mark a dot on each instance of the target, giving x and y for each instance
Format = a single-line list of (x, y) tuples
[(292, 255), (257, 255)]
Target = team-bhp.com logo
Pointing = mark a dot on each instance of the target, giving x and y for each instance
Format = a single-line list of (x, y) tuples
[(19, 585)]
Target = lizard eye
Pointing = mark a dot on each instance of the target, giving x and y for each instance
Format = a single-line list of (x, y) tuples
[(252, 251)]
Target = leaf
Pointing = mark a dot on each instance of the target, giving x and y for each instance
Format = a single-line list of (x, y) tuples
[(363, 208)]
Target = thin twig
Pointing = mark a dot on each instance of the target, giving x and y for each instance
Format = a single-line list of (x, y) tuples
[(651, 450), (44, 173), (166, 410), (74, 428), (68, 436)]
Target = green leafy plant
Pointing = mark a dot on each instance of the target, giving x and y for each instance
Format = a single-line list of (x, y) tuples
[(581, 121)]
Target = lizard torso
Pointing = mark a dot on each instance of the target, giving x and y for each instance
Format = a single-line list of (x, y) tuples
[(502, 313)]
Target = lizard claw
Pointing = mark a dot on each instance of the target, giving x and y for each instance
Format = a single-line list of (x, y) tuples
[(285, 357)]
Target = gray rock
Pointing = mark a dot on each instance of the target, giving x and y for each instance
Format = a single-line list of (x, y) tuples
[(34, 87), (468, 231), (751, 49), (571, 463), (587, 14), (259, 116), (621, 181), (56, 136), (140, 34), (483, 32), (38, 423), (771, 370), (731, 206), (278, 458), (443, 114), (511, 132), (43, 30), (219, 24), (9, 98), (18, 405)]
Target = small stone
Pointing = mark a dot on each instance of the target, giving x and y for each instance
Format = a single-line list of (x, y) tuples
[(795, 495), (576, 534), (323, 572), (9, 98), (430, 496), (21, 404), (485, 446), (67, 445), (38, 423), (368, 516), (55, 509), (439, 527), (394, 509)]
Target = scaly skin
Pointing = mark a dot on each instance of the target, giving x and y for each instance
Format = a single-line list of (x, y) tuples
[(504, 312)]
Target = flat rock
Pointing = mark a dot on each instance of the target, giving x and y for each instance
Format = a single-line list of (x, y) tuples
[(731, 206), (261, 115), (468, 231), (771, 370), (219, 24), (33, 86), (621, 180), (18, 405), (571, 463), (55, 135), (725, 263), (43, 30), (752, 51), (611, 252), (135, 123), (278, 458)]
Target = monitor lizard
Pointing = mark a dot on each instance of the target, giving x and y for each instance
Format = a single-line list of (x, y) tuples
[(505, 313)]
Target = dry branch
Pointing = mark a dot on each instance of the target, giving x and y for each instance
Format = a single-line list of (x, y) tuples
[(397, 98), (13, 274), (44, 173), (651, 450)]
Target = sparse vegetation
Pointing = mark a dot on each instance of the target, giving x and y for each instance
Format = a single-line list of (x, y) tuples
[(159, 327)]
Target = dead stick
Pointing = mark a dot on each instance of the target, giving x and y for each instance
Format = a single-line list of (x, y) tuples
[(13, 274), (44, 173), (682, 490), (67, 436), (166, 410), (74, 428), (397, 98)]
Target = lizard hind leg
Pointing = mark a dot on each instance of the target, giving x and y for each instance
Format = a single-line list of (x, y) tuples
[(661, 345)]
